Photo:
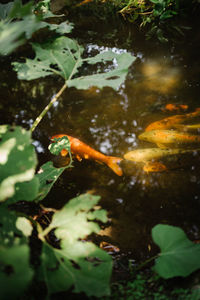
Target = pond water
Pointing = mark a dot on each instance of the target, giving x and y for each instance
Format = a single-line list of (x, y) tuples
[(110, 121)]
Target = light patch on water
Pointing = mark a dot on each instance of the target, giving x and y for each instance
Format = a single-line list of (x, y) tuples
[(159, 76), (39, 147), (105, 146), (102, 49)]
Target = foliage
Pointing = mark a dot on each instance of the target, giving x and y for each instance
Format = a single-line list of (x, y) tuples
[(15, 272), (47, 176), (17, 160), (136, 288), (63, 57), (78, 262), (179, 256), (75, 262), (18, 22)]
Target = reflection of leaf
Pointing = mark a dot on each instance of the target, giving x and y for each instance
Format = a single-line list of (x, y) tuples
[(17, 159), (47, 176), (77, 263), (179, 256), (63, 57), (15, 272)]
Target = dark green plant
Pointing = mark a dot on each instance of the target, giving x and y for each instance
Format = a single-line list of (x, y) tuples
[(76, 262)]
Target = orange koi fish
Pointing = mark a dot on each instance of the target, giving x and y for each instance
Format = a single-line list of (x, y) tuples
[(175, 107), (169, 138), (83, 2), (82, 150), (169, 122)]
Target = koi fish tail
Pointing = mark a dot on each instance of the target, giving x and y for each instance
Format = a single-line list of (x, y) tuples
[(113, 163)]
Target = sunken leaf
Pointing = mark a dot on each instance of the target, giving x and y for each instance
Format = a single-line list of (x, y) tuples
[(78, 263), (17, 159), (179, 256)]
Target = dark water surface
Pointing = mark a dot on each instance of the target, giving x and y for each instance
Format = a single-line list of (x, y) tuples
[(110, 121)]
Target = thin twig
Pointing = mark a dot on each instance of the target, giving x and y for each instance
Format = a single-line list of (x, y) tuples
[(45, 110)]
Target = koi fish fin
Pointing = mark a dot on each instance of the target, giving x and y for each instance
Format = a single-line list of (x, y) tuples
[(78, 157), (113, 163), (64, 152)]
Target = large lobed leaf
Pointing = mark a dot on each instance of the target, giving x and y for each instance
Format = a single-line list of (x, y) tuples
[(58, 57), (179, 256), (63, 57), (78, 263), (17, 160)]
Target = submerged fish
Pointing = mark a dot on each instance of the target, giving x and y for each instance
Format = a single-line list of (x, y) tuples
[(82, 150), (187, 127), (169, 122), (155, 166), (175, 107), (170, 138), (143, 155)]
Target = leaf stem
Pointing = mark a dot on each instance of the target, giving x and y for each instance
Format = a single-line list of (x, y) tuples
[(146, 262), (46, 109)]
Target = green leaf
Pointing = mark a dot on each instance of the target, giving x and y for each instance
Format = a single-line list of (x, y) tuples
[(59, 144), (63, 57), (47, 176), (8, 226), (179, 256), (58, 57), (15, 272), (5, 10), (27, 191), (19, 23), (24, 225), (62, 28), (78, 263), (113, 78), (17, 159), (167, 14)]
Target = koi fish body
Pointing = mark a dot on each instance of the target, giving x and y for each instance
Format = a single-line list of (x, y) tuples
[(144, 155), (82, 150), (169, 122), (170, 138)]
